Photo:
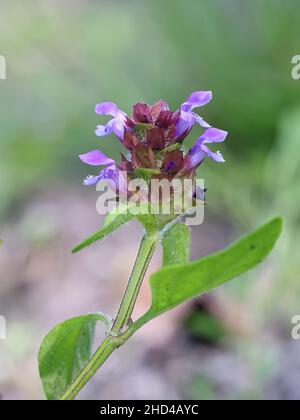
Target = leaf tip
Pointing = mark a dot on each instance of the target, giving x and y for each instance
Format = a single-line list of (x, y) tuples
[(277, 223)]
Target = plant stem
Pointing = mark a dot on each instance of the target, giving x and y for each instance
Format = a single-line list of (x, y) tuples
[(115, 338), (147, 248), (102, 353)]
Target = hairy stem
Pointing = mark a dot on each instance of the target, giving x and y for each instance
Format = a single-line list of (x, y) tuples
[(115, 338)]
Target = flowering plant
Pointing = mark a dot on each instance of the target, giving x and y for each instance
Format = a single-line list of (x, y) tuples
[(153, 137)]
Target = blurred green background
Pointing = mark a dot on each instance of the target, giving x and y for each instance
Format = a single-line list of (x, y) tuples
[(63, 57)]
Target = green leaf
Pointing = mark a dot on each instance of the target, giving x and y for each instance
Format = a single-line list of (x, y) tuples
[(112, 222), (175, 284), (176, 245), (65, 350)]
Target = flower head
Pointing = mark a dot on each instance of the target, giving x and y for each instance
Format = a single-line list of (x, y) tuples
[(153, 136)]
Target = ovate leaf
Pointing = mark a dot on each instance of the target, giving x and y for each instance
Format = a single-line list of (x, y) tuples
[(175, 284), (176, 245), (65, 351)]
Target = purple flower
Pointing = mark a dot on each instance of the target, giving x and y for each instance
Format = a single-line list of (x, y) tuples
[(198, 152), (116, 179), (187, 118), (96, 158), (116, 125), (150, 136)]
